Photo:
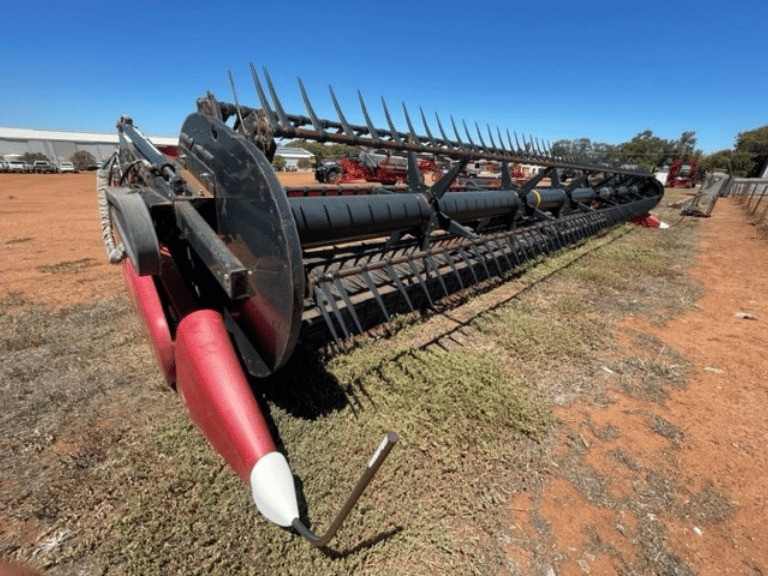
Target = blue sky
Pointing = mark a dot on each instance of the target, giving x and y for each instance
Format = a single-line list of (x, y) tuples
[(552, 69)]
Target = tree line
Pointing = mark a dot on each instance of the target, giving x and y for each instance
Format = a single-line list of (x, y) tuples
[(747, 159), (82, 159)]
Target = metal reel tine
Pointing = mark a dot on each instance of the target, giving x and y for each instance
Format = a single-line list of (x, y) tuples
[(511, 146), (426, 128), (501, 140), (371, 129), (517, 142), (310, 111), (480, 137), (392, 129), (271, 116), (284, 122), (535, 144), (344, 124), (469, 138), (410, 125), (241, 126), (455, 131), (446, 140), (490, 135)]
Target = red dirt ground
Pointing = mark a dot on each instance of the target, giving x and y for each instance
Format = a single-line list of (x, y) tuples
[(720, 440), (51, 252)]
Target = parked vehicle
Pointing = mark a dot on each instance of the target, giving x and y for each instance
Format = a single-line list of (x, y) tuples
[(17, 166), (67, 167), (43, 167), (3, 166)]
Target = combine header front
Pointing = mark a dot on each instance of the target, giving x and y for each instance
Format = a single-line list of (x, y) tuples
[(229, 268)]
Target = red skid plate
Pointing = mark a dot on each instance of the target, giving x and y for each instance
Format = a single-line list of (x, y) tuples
[(217, 394)]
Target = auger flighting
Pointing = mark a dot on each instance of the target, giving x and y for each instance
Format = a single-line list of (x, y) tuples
[(228, 268)]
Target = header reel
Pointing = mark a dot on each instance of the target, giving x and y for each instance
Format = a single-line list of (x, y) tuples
[(226, 265)]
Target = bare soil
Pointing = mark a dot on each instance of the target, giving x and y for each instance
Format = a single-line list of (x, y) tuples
[(672, 482), (679, 478)]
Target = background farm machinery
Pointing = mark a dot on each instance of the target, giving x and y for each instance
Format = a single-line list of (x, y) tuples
[(230, 270), (374, 166), (385, 168), (682, 175)]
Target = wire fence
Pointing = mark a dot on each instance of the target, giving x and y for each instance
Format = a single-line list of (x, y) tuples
[(750, 193)]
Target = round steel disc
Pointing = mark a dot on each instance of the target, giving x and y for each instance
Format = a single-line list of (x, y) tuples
[(254, 219)]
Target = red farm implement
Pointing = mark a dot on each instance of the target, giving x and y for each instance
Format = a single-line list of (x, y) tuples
[(682, 175), (230, 270)]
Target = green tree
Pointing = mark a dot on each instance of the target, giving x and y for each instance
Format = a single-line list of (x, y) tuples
[(321, 151), (685, 147), (752, 151), (303, 163), (32, 156), (645, 149), (82, 159), (584, 149), (278, 162)]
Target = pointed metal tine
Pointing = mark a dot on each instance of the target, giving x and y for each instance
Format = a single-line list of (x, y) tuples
[(480, 137), (392, 129), (371, 129), (284, 122), (538, 148), (466, 131), (310, 111), (512, 146), (241, 126), (501, 140), (319, 302), (446, 141), (490, 135), (410, 125), (529, 145), (344, 124), (426, 128), (271, 116), (458, 138), (519, 150)]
